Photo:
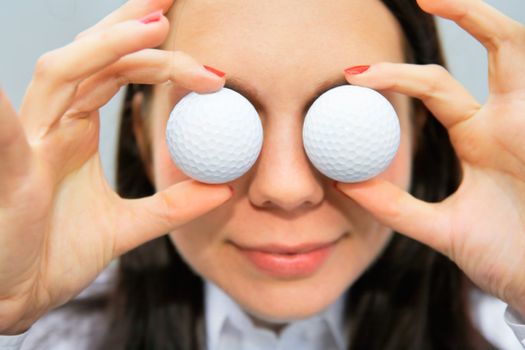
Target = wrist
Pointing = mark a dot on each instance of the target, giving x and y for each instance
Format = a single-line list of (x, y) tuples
[(16, 328), (14, 331)]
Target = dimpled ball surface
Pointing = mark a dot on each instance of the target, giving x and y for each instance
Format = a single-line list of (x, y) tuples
[(216, 137), (351, 133)]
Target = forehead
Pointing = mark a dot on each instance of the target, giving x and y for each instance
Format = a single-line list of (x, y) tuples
[(281, 45)]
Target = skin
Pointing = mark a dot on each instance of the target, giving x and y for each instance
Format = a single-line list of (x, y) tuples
[(283, 198), (62, 223)]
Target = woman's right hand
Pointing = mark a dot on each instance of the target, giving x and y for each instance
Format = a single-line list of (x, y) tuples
[(60, 222)]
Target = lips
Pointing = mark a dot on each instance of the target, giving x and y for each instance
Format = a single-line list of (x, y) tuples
[(286, 261), (283, 249)]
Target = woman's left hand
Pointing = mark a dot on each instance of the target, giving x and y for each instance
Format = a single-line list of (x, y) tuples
[(481, 226)]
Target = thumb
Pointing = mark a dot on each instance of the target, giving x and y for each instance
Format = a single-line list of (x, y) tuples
[(14, 150), (397, 209), (141, 220)]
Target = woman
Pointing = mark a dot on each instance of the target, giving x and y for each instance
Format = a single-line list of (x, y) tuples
[(375, 289)]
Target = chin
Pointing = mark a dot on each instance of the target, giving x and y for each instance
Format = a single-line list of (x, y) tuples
[(280, 313), (276, 299), (285, 301)]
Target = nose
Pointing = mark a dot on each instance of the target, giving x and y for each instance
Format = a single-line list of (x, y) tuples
[(283, 176)]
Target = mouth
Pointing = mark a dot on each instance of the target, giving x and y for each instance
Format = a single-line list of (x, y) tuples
[(287, 261)]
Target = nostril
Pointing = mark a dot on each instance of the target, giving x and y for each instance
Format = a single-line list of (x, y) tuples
[(288, 206), (266, 204)]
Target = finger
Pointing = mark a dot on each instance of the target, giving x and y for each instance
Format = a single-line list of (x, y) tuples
[(503, 37), (132, 9), (400, 211), (146, 67), (14, 149), (484, 22), (444, 96), (142, 220), (59, 72)]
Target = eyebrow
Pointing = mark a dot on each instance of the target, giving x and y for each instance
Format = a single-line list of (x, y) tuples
[(251, 93)]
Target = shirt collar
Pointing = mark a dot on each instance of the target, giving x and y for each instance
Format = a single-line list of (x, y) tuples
[(220, 308)]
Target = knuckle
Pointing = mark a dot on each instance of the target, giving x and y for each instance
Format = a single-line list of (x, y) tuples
[(166, 207), (122, 80), (384, 66), (181, 58), (175, 59), (518, 35), (437, 71), (81, 35), (51, 67), (509, 35), (177, 55), (388, 71), (105, 36), (109, 38), (437, 75), (47, 65), (394, 85)]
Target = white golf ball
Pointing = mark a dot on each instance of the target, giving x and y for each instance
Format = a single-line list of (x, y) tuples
[(351, 133), (216, 137)]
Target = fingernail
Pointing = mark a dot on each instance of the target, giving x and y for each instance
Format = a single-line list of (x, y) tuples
[(356, 70), (215, 71), (152, 17), (232, 190)]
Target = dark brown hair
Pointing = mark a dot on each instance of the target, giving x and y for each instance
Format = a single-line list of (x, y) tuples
[(411, 298)]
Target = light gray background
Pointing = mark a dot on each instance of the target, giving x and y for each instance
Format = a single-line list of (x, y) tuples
[(28, 28)]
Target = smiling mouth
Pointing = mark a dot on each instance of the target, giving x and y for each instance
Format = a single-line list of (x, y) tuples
[(286, 261), (288, 249)]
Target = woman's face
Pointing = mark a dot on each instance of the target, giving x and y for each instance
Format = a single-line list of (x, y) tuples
[(284, 53)]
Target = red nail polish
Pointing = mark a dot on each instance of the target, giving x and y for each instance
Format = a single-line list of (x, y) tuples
[(152, 17), (356, 70), (215, 71)]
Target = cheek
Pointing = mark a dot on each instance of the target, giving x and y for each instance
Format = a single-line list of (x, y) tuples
[(400, 170), (165, 172), (370, 236), (200, 245), (195, 249)]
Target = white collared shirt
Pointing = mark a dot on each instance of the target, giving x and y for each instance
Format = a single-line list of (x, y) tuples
[(229, 327), (488, 315)]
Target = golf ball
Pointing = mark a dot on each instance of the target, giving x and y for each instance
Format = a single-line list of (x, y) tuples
[(351, 133), (216, 137)]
